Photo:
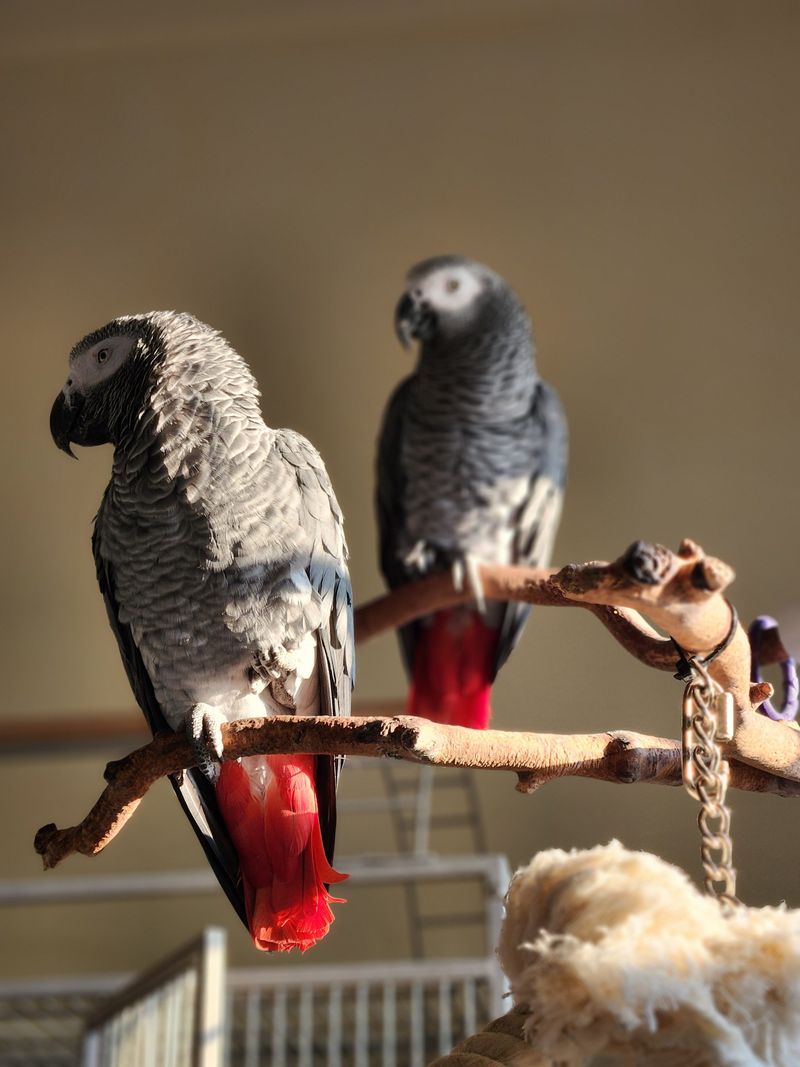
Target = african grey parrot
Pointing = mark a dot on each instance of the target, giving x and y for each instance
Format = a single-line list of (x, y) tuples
[(221, 557), (471, 468)]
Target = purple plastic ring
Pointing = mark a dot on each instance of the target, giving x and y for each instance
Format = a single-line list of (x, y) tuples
[(791, 692)]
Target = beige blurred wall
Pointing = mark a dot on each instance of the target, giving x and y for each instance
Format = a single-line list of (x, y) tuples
[(632, 168)]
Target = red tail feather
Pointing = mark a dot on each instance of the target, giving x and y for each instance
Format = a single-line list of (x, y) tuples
[(270, 809), (453, 670)]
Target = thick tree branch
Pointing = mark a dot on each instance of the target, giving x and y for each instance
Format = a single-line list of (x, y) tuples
[(682, 593), (616, 756), (570, 587), (527, 585)]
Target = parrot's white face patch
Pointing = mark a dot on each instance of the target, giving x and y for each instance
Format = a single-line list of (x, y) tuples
[(447, 289), (97, 363)]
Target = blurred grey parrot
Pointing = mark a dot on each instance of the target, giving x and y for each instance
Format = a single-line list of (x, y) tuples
[(221, 557), (471, 468)]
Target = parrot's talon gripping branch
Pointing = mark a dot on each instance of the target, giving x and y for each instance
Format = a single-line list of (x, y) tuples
[(467, 577), (204, 729), (681, 592), (418, 557)]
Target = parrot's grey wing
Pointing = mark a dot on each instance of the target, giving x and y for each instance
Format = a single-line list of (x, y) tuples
[(537, 520), (321, 517), (390, 491), (195, 793)]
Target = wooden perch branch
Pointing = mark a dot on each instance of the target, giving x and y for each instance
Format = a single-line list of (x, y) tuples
[(526, 585), (570, 587), (616, 756), (682, 593)]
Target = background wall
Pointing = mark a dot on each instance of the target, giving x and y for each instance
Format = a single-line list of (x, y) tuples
[(631, 168)]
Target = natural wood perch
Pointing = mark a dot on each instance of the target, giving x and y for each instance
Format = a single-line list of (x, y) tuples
[(681, 593), (616, 756), (550, 587), (528, 585)]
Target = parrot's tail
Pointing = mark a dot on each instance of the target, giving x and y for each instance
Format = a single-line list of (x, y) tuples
[(270, 809), (452, 677)]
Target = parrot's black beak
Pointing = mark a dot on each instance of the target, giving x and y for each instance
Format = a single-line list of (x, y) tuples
[(404, 320), (413, 320), (62, 420)]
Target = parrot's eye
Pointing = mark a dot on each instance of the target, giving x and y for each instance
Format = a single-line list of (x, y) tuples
[(102, 355), (452, 284)]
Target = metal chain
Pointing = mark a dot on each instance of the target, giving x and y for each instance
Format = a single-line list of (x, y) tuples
[(707, 720)]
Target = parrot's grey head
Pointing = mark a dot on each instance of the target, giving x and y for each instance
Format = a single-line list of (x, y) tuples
[(449, 296), (113, 371), (108, 372)]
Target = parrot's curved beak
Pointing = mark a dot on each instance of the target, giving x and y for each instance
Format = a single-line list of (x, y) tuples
[(404, 320), (413, 320), (63, 417)]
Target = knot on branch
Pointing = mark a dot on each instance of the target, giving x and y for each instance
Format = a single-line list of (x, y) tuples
[(632, 758), (646, 563), (623, 759), (42, 841), (648, 575)]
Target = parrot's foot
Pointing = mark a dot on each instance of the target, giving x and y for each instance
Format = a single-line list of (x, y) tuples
[(275, 668), (420, 557), (204, 727), (466, 569), (277, 662)]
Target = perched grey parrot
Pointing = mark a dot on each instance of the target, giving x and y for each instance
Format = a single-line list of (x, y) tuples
[(221, 557), (471, 468)]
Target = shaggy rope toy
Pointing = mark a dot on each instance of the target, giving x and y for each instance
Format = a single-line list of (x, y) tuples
[(615, 953)]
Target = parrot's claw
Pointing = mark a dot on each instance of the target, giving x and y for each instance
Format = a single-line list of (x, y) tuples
[(466, 570), (204, 727), (418, 557)]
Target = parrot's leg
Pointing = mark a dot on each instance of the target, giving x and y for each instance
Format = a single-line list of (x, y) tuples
[(204, 727), (466, 568)]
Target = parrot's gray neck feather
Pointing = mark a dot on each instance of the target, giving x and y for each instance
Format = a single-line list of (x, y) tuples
[(486, 379), (202, 409)]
